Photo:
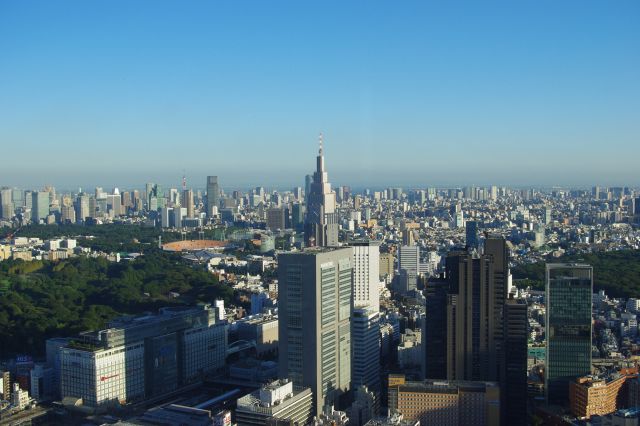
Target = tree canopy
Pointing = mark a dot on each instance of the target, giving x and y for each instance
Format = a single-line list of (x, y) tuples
[(616, 272), (43, 299)]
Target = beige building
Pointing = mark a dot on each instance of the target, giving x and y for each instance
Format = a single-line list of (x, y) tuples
[(446, 403), (591, 395), (5, 252), (25, 255), (279, 401), (263, 329), (386, 264)]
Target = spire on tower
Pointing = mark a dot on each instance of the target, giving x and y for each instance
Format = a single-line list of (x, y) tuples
[(320, 142)]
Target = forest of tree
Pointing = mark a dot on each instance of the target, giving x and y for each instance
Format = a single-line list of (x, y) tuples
[(42, 299), (616, 272)]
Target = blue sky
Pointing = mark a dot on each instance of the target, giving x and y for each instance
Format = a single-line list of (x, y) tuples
[(118, 93)]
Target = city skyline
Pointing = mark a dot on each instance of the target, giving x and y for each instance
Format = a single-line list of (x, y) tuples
[(320, 213), (101, 94)]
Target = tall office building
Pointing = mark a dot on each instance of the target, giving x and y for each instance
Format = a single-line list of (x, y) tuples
[(494, 192), (434, 330), (636, 206), (474, 312), (187, 195), (213, 194), (6, 203), (39, 205), (515, 365), (547, 215), (409, 258), (365, 335), (321, 221), (471, 228), (314, 290), (148, 193), (365, 325), (366, 274), (569, 288), (307, 188), (67, 213), (297, 216), (276, 218), (406, 281), (480, 335), (114, 204)]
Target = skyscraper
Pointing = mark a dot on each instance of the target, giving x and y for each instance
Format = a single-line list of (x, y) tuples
[(471, 336), (39, 205), (188, 201), (213, 194), (314, 324), (297, 216), (365, 326), (6, 203), (307, 188), (515, 365), (366, 274), (471, 228), (409, 258), (435, 329), (485, 333), (276, 218), (365, 335), (569, 288), (321, 222), (547, 215)]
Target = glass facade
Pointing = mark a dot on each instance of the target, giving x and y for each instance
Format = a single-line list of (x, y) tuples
[(568, 327)]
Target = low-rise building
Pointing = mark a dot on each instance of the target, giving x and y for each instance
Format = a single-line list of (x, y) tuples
[(263, 329), (139, 357), (599, 395), (445, 403), (277, 400), (19, 398)]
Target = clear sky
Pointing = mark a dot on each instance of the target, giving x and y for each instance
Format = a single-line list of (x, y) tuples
[(118, 93)]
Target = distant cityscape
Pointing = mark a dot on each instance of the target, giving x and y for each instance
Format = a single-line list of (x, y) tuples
[(391, 307)]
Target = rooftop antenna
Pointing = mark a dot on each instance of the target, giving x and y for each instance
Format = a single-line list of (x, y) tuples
[(321, 142), (184, 181)]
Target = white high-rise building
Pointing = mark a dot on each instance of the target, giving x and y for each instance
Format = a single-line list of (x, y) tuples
[(365, 335), (165, 214), (366, 274), (365, 325)]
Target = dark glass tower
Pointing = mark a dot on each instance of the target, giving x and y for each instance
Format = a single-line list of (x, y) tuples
[(477, 286), (515, 365), (435, 329), (471, 230), (213, 194), (569, 288)]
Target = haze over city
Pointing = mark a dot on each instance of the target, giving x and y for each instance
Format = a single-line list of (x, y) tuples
[(117, 93)]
